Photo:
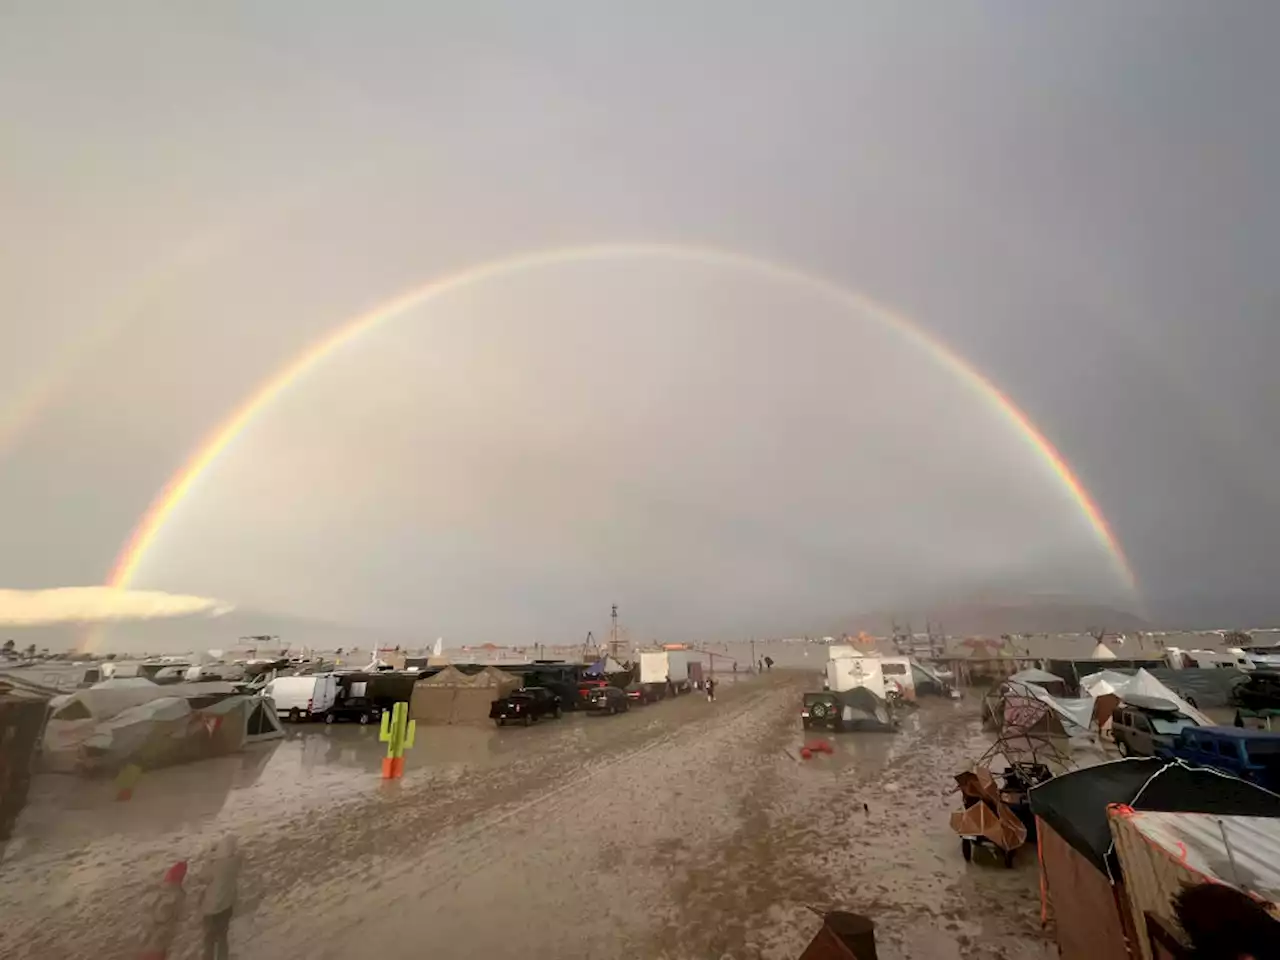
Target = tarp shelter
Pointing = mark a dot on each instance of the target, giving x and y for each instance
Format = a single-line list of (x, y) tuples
[(1161, 854), (1075, 804), (1202, 688), (452, 696), (244, 720), (22, 719), (1021, 707), (104, 700), (1141, 684), (605, 666), (1042, 678), (860, 707), (1075, 838), (162, 731)]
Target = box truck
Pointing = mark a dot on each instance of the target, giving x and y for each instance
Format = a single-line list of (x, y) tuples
[(663, 672)]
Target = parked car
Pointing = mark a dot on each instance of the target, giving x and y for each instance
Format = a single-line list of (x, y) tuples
[(609, 700), (637, 693), (1252, 755), (303, 698), (1141, 724), (527, 705), (360, 709), (587, 686), (820, 710), (1259, 690)]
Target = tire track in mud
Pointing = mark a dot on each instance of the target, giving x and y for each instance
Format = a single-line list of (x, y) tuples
[(325, 855), (504, 849), (806, 844)]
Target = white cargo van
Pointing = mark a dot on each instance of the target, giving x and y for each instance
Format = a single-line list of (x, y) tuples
[(303, 698)]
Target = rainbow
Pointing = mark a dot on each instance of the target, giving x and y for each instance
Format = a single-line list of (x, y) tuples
[(180, 485)]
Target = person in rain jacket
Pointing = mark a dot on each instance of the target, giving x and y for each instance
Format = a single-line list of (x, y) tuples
[(221, 877)]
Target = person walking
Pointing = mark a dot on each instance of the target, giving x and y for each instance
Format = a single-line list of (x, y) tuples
[(221, 877), (711, 689)]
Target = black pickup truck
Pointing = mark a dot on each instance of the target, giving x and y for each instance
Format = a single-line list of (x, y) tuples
[(527, 705)]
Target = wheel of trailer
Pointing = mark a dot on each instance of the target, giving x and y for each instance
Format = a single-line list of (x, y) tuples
[(528, 719), (295, 715), (1123, 747), (966, 849), (558, 712), (329, 717)]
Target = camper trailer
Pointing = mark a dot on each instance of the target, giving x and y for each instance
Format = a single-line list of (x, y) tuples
[(899, 681), (849, 673), (1231, 659)]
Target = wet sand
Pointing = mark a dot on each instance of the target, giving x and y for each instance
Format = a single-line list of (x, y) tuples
[(683, 829)]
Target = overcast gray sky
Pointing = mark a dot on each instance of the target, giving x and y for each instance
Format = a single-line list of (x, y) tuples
[(1079, 199)]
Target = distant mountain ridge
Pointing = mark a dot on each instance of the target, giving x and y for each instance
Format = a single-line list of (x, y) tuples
[(993, 618)]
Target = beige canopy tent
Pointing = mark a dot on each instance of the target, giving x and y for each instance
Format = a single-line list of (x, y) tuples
[(452, 696)]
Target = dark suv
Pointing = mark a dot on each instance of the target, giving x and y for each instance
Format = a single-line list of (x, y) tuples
[(1259, 690), (526, 705), (1257, 693), (820, 710)]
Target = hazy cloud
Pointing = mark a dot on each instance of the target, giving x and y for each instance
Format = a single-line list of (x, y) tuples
[(98, 604)]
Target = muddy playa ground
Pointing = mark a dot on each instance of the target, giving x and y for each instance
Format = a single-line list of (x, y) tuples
[(681, 829)]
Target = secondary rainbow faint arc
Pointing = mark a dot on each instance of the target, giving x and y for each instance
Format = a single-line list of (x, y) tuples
[(181, 483)]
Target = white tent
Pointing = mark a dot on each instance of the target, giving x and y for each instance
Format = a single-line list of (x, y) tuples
[(1037, 676), (1102, 652)]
